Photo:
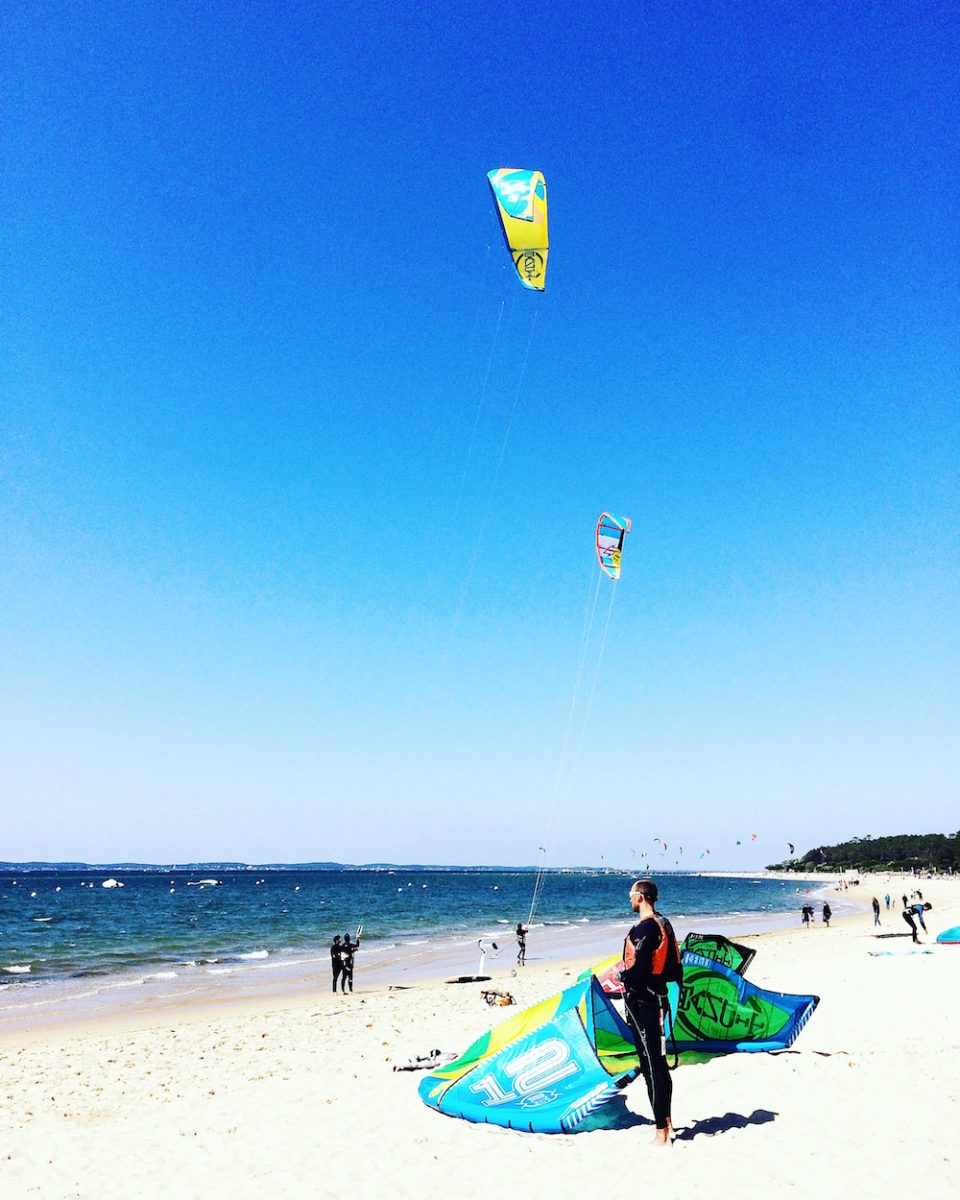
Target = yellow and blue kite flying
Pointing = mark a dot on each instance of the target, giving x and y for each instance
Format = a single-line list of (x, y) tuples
[(521, 198)]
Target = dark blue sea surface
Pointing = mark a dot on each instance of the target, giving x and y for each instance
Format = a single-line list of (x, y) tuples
[(66, 925)]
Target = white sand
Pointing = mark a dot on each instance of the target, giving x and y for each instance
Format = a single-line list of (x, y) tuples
[(297, 1098)]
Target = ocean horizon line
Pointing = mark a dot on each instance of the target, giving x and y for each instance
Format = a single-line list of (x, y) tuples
[(320, 866)]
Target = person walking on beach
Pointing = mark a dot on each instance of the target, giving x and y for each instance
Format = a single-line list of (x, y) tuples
[(651, 961), (336, 959), (521, 944), (876, 911), (886, 901), (827, 914), (348, 950), (915, 913)]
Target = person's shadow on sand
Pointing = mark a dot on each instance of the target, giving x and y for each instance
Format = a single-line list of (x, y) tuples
[(616, 1115), (714, 1125)]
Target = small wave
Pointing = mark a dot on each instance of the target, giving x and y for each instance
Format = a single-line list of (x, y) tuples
[(41, 920), (255, 954), (18, 969), (220, 971)]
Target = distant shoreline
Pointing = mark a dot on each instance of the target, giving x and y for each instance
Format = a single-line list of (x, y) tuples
[(67, 868)]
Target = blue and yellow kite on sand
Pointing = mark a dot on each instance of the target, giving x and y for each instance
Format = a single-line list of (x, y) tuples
[(543, 1071)]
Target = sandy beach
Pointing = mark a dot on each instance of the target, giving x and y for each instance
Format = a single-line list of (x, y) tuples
[(297, 1097)]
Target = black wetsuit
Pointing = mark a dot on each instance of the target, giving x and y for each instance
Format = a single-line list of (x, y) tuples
[(645, 1000), (911, 915), (348, 950), (336, 961), (521, 945)]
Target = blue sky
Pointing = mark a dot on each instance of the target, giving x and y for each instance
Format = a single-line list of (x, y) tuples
[(298, 485)]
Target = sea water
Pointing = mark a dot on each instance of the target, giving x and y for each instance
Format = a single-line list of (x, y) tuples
[(69, 944)]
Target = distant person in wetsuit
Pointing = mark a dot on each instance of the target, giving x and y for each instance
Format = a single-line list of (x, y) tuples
[(349, 948), (807, 913), (915, 913), (521, 944), (827, 914), (876, 911), (651, 961), (336, 959), (904, 899)]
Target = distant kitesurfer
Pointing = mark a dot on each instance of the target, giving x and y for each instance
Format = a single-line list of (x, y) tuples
[(521, 944), (336, 959), (651, 961), (349, 948), (915, 913), (876, 911)]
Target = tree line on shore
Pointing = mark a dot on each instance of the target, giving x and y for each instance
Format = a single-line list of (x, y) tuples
[(899, 852)]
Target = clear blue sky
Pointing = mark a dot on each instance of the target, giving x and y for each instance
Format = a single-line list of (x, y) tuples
[(266, 592)]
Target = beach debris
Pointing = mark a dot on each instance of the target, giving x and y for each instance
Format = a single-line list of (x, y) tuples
[(426, 1062), (492, 996), (900, 953)]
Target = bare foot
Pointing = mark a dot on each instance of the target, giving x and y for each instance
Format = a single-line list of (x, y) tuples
[(663, 1137)]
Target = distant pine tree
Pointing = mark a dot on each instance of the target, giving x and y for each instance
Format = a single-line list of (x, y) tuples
[(900, 852)]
